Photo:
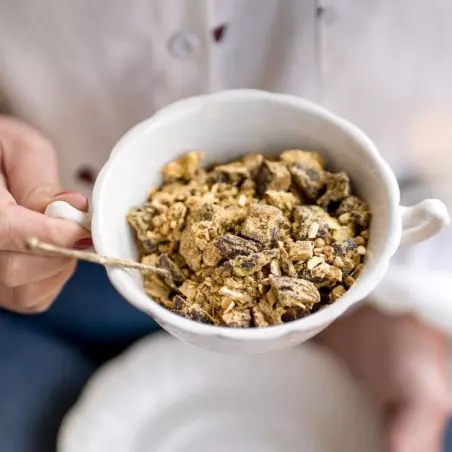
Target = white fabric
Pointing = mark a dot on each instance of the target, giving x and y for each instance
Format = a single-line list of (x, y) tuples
[(85, 71)]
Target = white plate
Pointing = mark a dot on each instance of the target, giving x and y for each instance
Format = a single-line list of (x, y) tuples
[(166, 396)]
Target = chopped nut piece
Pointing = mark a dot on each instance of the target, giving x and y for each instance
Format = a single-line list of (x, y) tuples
[(235, 295), (337, 293), (329, 275), (263, 223), (275, 269), (237, 319), (189, 249), (294, 291), (313, 262), (184, 168), (361, 250), (308, 158), (273, 176), (252, 163), (282, 200), (211, 255), (337, 188), (301, 250)]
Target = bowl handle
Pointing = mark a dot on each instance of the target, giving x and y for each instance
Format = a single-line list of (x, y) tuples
[(422, 221), (64, 211)]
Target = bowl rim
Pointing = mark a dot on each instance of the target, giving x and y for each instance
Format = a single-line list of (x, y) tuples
[(122, 281)]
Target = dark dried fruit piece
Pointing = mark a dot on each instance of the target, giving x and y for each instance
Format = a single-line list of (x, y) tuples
[(175, 277), (273, 176), (237, 319), (231, 246), (307, 171), (231, 173), (294, 313), (263, 223), (248, 265), (353, 210), (295, 291), (196, 313), (179, 303), (337, 188)]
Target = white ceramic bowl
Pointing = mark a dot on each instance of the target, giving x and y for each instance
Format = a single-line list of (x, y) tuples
[(225, 126)]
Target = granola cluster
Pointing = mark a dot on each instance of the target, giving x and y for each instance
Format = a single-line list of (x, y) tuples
[(251, 243)]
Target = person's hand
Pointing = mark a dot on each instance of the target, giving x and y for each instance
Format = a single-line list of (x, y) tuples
[(404, 364), (28, 183)]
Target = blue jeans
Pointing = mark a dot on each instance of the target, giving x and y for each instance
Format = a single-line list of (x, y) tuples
[(45, 360)]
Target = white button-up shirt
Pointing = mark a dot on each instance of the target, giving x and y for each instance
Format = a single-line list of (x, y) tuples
[(84, 72)]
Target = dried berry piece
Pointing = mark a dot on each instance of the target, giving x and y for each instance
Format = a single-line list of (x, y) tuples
[(184, 168), (273, 176), (294, 291), (231, 246), (175, 277), (337, 188), (263, 223), (248, 265), (237, 318)]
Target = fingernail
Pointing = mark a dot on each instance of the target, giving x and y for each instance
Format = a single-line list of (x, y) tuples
[(83, 244), (66, 192)]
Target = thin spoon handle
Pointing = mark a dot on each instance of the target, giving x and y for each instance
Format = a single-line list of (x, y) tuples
[(35, 244)]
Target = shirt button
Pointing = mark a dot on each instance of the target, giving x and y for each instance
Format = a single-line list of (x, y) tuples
[(184, 44)]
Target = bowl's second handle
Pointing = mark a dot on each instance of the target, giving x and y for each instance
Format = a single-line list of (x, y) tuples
[(407, 290), (422, 221)]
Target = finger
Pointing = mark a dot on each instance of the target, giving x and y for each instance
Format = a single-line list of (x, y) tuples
[(418, 428), (17, 269), (29, 165), (38, 296), (18, 225)]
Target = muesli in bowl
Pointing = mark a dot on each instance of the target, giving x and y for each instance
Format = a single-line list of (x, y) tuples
[(251, 243)]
